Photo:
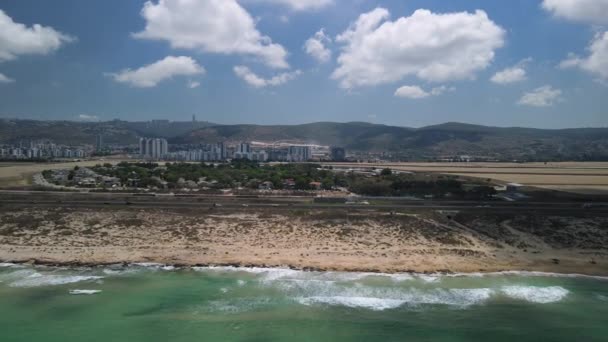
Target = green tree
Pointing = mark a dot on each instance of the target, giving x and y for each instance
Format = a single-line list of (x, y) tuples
[(386, 172)]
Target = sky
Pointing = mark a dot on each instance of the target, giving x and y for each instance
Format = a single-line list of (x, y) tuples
[(529, 63)]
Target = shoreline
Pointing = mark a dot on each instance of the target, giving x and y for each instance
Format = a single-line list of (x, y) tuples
[(546, 271), (422, 241), (270, 268)]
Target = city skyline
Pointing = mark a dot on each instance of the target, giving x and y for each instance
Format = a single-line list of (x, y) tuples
[(527, 63)]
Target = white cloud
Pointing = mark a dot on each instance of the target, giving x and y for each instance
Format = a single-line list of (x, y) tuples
[(544, 96), (152, 74), (315, 47), (597, 61), (433, 47), (88, 117), (441, 89), (17, 39), (513, 74), (193, 84), (5, 79), (298, 5), (415, 92), (411, 92), (586, 11), (256, 81), (211, 26)]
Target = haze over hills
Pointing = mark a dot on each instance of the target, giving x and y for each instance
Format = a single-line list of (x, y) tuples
[(76, 132), (431, 142)]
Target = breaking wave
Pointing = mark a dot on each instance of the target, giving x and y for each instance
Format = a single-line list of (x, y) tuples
[(391, 291), (84, 292), (534, 294), (37, 279)]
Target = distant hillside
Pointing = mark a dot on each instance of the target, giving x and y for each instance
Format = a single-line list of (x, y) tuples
[(355, 135), (71, 132), (432, 142), (427, 143)]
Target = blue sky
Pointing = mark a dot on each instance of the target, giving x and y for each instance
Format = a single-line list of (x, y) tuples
[(513, 63)]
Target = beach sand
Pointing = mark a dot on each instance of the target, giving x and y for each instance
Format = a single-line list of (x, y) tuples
[(357, 240)]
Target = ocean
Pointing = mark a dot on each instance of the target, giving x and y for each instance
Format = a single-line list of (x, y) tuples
[(149, 302)]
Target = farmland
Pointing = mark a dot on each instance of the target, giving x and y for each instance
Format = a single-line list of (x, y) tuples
[(580, 177)]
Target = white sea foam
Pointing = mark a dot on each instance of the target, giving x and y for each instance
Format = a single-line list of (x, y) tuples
[(603, 298), (274, 274), (16, 275), (147, 264), (121, 271), (84, 292), (234, 305), (383, 299), (266, 274), (429, 278), (377, 304), (38, 279), (10, 265), (533, 294), (524, 274)]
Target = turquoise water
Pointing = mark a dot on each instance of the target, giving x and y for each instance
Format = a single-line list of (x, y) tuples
[(155, 303)]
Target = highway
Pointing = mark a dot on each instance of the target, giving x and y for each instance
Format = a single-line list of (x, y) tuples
[(134, 201)]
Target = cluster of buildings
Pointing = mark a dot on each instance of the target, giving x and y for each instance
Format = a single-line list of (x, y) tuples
[(153, 148), (42, 150), (158, 149), (244, 151), (83, 177), (210, 152)]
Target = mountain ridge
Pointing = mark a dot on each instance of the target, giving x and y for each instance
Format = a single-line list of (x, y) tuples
[(430, 142)]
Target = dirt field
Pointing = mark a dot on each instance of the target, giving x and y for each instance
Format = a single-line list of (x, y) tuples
[(16, 174), (579, 177)]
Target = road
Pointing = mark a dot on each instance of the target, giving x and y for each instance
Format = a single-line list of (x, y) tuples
[(117, 200)]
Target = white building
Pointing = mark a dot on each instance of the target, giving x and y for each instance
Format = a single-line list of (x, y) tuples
[(153, 148), (299, 153), (243, 151)]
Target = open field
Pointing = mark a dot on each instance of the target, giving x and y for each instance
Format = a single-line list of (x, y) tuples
[(484, 165), (18, 174), (579, 177)]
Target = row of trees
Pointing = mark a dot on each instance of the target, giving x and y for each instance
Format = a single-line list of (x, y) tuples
[(250, 174)]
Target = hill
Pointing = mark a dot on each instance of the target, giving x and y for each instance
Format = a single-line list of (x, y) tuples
[(71, 132), (431, 142), (426, 143)]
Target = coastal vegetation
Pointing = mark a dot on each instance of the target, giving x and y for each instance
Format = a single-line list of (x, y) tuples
[(251, 175)]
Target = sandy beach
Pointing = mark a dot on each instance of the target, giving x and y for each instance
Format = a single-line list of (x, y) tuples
[(362, 240)]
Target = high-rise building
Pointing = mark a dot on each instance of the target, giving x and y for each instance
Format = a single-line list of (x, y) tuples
[(218, 151), (244, 148), (299, 153), (99, 143), (243, 151), (153, 148), (337, 154)]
